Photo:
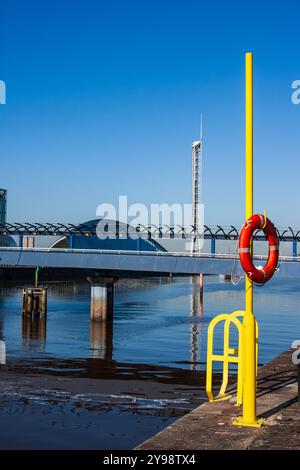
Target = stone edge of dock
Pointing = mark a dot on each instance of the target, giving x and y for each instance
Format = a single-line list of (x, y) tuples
[(208, 427)]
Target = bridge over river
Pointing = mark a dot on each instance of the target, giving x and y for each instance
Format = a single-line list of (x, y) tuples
[(120, 262), (149, 256)]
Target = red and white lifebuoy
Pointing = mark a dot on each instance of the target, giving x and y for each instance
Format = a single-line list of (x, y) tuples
[(256, 222)]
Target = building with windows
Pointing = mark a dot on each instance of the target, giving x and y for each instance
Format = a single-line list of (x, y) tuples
[(5, 240), (3, 194)]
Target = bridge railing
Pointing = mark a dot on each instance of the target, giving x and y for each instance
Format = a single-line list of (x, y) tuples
[(156, 232), (217, 232), (73, 251)]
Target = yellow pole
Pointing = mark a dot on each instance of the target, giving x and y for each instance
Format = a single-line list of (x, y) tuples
[(36, 283), (249, 327)]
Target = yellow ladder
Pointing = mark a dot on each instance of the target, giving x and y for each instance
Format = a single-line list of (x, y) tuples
[(230, 355)]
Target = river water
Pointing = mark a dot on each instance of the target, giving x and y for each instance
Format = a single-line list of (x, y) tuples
[(68, 384)]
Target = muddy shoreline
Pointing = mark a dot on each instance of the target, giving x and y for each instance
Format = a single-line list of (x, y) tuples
[(60, 412)]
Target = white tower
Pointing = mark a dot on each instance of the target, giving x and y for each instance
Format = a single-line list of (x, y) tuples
[(196, 185)]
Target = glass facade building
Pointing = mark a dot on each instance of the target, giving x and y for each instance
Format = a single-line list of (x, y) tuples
[(3, 194)]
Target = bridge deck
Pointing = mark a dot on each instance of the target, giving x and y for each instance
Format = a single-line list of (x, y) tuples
[(133, 261)]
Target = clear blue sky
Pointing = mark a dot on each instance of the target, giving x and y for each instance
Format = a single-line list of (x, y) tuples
[(104, 98)]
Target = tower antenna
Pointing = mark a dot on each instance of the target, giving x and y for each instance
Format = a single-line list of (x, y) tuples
[(201, 126)]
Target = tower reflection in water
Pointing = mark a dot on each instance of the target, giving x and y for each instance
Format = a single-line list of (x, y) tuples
[(3, 293), (2, 353), (196, 310)]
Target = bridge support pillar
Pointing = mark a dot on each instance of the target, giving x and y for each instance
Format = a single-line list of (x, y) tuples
[(102, 296), (213, 246), (71, 241), (295, 254), (138, 244)]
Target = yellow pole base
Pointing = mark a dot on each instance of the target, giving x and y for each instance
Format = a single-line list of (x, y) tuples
[(254, 424)]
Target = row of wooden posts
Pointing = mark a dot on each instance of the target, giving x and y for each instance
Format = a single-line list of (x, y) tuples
[(35, 299)]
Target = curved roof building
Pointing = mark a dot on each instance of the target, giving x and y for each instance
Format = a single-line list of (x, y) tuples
[(106, 234)]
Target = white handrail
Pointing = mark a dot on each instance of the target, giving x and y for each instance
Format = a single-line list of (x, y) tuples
[(139, 253)]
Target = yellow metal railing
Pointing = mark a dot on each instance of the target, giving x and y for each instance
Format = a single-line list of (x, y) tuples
[(230, 355)]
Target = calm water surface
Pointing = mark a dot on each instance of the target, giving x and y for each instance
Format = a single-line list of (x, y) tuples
[(68, 384)]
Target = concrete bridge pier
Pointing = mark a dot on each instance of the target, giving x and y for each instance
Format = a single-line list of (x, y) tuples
[(102, 296)]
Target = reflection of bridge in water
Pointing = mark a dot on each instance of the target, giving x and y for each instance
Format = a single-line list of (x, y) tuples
[(109, 369), (101, 333), (141, 389)]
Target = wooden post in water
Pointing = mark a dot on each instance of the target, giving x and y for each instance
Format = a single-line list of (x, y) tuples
[(43, 301), (27, 301), (34, 301)]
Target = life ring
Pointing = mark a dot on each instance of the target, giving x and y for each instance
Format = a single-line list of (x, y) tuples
[(256, 222)]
